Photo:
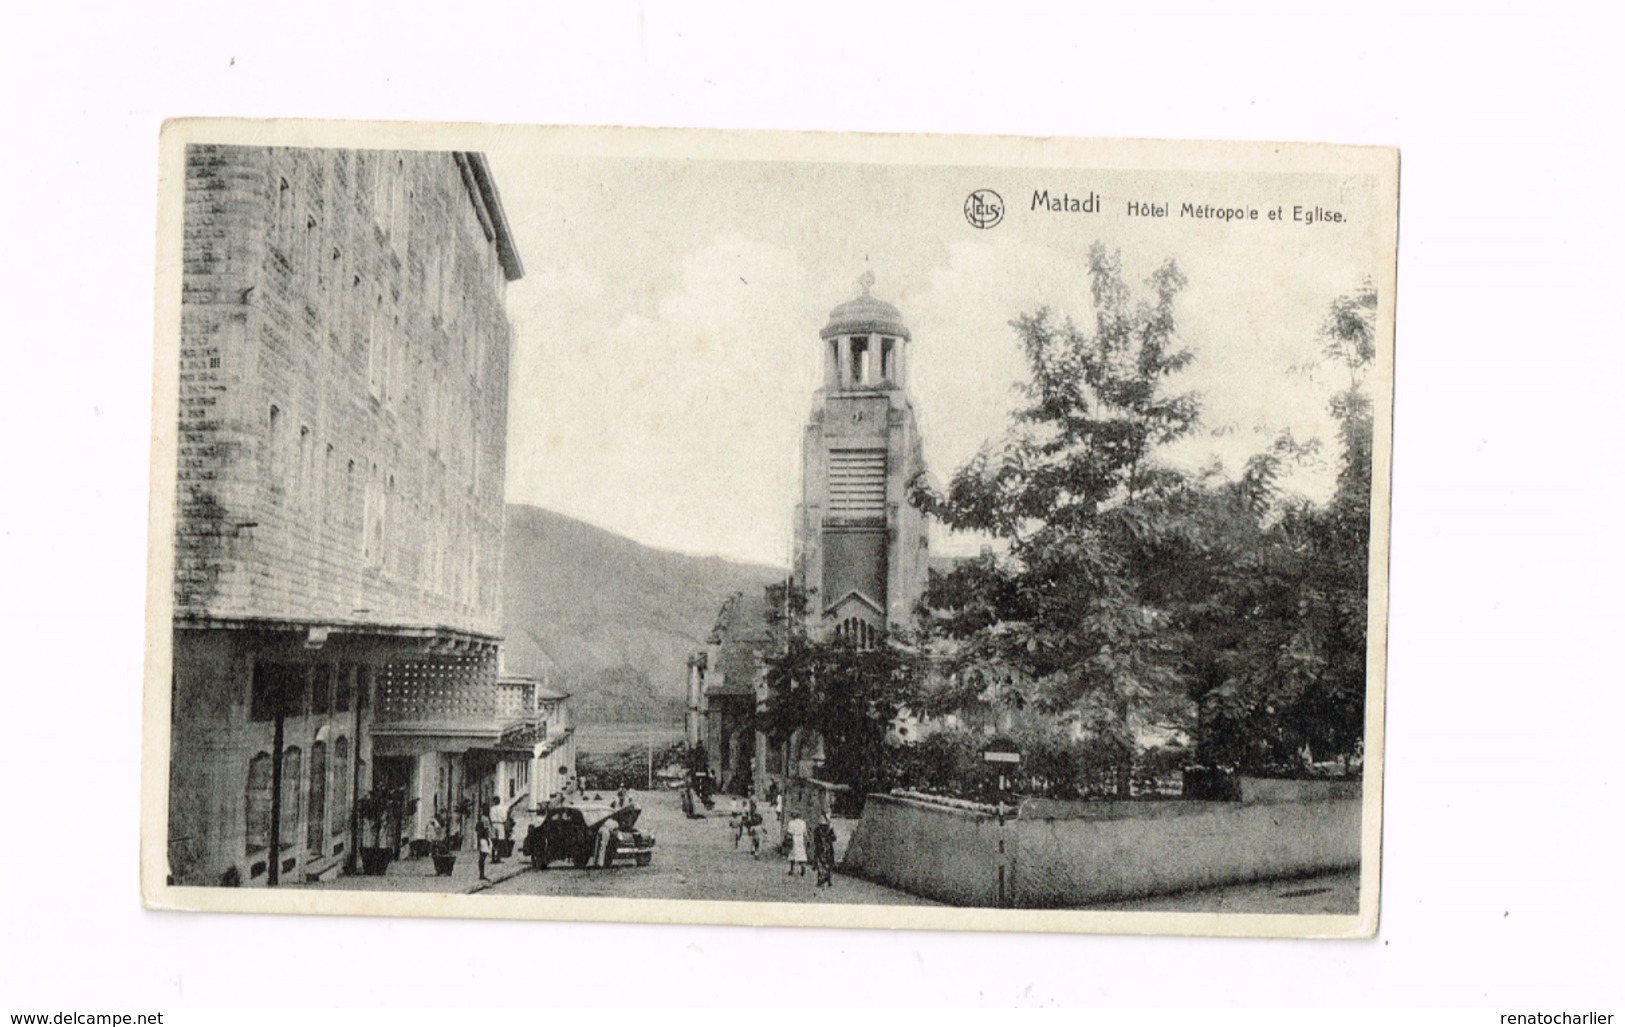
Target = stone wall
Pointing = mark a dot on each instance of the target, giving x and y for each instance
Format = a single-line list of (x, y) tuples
[(1066, 855), (944, 854)]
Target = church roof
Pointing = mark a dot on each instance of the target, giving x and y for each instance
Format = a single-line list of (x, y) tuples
[(742, 633), (865, 315)]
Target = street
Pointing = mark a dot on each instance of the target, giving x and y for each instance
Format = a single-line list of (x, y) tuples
[(695, 859)]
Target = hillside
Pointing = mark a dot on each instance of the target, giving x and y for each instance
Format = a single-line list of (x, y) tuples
[(616, 619)]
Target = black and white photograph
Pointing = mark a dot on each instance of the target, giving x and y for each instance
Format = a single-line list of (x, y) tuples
[(771, 528), (638, 508)]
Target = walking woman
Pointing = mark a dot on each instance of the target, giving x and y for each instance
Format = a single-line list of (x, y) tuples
[(796, 831)]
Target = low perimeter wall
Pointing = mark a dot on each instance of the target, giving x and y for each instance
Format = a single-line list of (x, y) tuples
[(1059, 855)]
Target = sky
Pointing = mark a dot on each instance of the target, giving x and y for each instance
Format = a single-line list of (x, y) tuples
[(666, 329)]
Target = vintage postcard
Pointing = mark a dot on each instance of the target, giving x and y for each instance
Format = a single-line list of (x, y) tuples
[(761, 528)]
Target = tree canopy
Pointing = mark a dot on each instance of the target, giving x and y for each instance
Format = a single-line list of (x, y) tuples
[(1133, 595)]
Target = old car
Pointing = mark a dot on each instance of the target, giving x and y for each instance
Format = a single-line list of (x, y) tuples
[(587, 835)]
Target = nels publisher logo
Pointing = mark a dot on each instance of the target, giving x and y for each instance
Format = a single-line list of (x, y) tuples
[(984, 208)]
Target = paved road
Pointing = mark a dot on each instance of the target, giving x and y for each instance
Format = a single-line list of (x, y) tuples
[(695, 859)]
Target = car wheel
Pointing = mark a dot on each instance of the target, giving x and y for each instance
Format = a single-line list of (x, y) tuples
[(644, 858), (582, 859)]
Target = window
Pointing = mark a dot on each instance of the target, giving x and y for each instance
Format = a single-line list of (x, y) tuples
[(888, 359), (316, 822), (344, 693), (338, 823), (257, 805), (283, 235), (292, 764), (310, 254), (858, 633), (276, 445), (378, 351), (303, 471), (372, 545)]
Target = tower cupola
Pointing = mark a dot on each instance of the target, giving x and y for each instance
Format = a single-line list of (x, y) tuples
[(864, 343)]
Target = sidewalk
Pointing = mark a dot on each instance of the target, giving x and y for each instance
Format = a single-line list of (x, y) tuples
[(417, 875)]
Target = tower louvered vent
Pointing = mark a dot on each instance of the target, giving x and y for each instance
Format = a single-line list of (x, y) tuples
[(857, 483)]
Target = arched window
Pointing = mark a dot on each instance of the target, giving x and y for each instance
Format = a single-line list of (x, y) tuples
[(339, 808), (292, 764), (257, 804), (858, 633), (316, 822)]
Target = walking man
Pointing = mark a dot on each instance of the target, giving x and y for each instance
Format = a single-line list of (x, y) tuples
[(751, 824), (823, 851), (482, 832)]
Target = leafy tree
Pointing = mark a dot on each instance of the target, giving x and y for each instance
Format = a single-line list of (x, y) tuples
[(1285, 628), (846, 695), (1071, 623)]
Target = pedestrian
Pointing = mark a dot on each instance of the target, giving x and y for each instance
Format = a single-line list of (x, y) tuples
[(736, 819), (751, 824), (620, 798), (823, 851), (482, 832), (495, 823), (796, 831)]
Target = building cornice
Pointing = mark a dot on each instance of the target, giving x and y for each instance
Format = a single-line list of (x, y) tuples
[(482, 189)]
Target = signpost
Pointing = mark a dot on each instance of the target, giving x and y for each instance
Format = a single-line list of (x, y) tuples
[(1004, 759)]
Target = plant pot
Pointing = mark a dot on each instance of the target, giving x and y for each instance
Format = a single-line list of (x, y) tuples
[(375, 861), (503, 848), (443, 863)]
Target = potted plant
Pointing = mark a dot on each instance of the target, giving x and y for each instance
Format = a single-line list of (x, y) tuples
[(445, 858), (374, 809), (454, 838)]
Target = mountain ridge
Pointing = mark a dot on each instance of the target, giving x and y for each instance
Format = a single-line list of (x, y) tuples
[(609, 619)]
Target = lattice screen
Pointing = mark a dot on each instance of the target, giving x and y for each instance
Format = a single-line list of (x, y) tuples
[(448, 688)]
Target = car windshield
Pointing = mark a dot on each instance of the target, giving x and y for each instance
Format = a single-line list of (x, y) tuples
[(593, 814)]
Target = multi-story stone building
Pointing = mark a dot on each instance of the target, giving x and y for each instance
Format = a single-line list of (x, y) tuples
[(343, 419)]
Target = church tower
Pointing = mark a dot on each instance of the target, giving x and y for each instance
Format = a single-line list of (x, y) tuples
[(860, 546)]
